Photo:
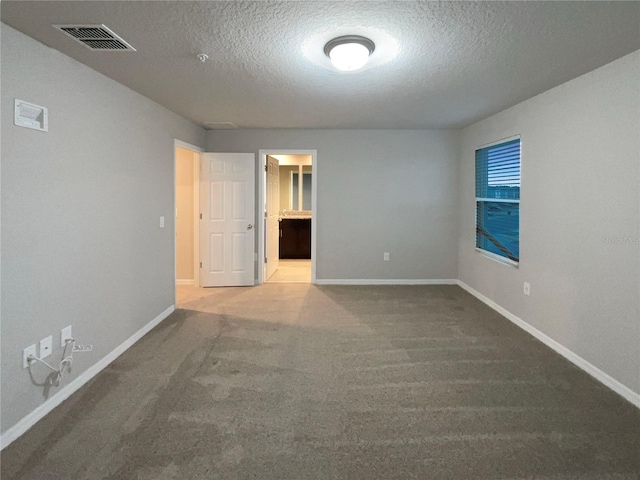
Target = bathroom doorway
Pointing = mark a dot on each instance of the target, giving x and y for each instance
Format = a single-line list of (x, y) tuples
[(287, 232)]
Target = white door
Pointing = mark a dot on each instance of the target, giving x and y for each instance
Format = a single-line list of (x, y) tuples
[(227, 234), (273, 214)]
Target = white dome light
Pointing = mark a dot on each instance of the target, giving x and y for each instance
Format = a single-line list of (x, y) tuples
[(349, 53)]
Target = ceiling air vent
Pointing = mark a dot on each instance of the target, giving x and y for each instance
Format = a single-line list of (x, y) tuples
[(96, 37)]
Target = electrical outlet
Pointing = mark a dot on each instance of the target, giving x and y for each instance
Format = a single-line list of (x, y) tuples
[(64, 334), (527, 288), (46, 346), (30, 350), (386, 256)]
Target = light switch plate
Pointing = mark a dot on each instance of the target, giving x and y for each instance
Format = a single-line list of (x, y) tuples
[(161, 222), (386, 256), (46, 346), (527, 288)]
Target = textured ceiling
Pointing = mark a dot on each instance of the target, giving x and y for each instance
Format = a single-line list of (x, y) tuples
[(436, 64)]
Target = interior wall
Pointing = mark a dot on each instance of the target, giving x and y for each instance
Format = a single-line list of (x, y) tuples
[(185, 160), (378, 191), (580, 215), (81, 241)]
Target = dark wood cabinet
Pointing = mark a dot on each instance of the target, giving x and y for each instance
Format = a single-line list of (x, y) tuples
[(295, 238)]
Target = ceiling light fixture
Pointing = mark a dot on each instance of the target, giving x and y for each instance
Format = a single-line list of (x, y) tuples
[(350, 52)]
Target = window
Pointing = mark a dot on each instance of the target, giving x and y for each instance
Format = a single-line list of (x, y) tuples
[(498, 199)]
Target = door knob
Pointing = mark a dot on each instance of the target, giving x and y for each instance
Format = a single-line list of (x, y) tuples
[(249, 227)]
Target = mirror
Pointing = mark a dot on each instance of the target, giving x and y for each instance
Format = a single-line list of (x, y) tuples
[(306, 191), (295, 189)]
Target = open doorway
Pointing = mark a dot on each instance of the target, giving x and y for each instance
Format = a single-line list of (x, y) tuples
[(187, 180), (287, 232)]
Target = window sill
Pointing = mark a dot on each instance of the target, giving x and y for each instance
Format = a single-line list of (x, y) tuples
[(497, 258)]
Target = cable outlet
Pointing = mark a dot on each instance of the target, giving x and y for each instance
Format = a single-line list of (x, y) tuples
[(46, 346), (386, 256), (65, 333), (30, 350), (527, 288)]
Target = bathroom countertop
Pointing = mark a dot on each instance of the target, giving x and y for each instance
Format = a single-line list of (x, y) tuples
[(295, 214)]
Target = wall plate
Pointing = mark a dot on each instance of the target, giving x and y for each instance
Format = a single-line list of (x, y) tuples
[(30, 350), (46, 346)]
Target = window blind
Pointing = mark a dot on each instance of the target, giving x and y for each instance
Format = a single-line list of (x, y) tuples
[(498, 199)]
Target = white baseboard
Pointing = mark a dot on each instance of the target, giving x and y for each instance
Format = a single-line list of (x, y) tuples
[(185, 281), (385, 281), (38, 413), (595, 372)]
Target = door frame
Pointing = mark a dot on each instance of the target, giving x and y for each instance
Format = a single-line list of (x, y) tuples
[(196, 212), (262, 199)]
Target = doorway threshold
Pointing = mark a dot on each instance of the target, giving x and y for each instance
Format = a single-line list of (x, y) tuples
[(292, 271)]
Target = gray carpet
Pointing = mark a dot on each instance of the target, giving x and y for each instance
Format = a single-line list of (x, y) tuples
[(297, 382)]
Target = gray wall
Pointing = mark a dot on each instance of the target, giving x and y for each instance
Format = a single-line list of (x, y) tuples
[(580, 200), (378, 190), (81, 243)]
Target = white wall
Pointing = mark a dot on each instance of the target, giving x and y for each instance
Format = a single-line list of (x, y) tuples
[(580, 189), (378, 191), (81, 243)]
